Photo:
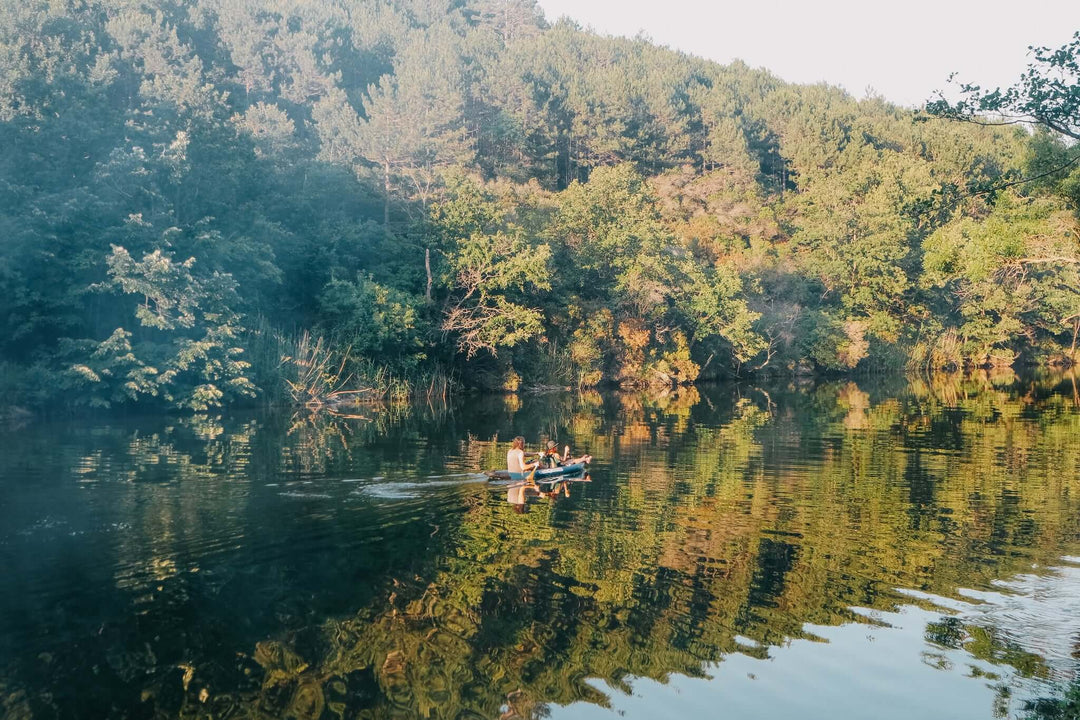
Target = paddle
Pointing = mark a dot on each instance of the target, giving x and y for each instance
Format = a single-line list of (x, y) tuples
[(531, 479)]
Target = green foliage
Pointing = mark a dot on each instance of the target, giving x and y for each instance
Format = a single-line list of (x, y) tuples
[(114, 373), (1014, 274), (616, 251), (489, 271), (460, 188), (372, 320), (492, 272), (192, 338), (1047, 94), (833, 343)]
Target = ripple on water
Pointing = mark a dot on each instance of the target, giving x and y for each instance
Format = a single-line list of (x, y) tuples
[(305, 495), (702, 548)]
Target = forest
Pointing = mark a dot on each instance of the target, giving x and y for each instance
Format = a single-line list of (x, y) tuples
[(293, 201)]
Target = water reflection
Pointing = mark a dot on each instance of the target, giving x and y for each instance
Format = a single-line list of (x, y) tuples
[(519, 493), (325, 567)]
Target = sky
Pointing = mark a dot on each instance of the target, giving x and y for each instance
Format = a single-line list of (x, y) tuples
[(903, 51)]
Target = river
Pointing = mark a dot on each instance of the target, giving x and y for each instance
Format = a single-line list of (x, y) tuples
[(870, 548)]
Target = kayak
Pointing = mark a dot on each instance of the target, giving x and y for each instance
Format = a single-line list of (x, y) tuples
[(542, 475)]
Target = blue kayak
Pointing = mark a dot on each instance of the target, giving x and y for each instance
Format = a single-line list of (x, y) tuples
[(542, 475)]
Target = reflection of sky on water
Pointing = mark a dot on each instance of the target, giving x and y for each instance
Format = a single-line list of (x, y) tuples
[(886, 669), (1040, 612), (861, 671)]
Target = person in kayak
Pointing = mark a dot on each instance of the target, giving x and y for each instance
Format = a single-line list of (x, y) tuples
[(515, 458), (551, 457)]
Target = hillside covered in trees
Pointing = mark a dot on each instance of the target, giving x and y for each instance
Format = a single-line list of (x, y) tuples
[(212, 201)]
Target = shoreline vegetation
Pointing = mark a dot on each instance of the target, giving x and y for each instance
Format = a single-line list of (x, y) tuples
[(216, 203)]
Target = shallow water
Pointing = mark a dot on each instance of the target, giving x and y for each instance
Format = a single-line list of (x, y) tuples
[(901, 549)]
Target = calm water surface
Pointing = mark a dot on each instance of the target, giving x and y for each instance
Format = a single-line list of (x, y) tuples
[(823, 551)]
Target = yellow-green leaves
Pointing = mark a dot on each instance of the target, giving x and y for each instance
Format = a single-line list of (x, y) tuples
[(1011, 276)]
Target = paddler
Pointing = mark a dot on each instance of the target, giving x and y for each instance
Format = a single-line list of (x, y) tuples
[(515, 458), (552, 458)]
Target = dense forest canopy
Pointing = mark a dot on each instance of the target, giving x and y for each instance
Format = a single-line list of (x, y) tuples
[(208, 201)]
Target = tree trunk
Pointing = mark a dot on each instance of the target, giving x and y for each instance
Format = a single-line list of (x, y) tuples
[(1076, 332), (386, 194), (427, 267)]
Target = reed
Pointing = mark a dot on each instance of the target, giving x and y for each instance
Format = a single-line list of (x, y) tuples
[(310, 371)]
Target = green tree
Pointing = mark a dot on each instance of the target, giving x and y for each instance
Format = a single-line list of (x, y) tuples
[(372, 320), (662, 302), (412, 125), (191, 356), (1047, 94), (1013, 277), (493, 272)]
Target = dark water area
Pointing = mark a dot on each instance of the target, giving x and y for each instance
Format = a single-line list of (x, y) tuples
[(887, 549)]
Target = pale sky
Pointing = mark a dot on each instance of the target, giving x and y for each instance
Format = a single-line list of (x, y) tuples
[(903, 50)]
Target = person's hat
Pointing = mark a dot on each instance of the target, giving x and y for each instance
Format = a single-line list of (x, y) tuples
[(551, 445)]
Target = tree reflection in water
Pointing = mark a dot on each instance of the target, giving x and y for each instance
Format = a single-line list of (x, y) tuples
[(316, 567)]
